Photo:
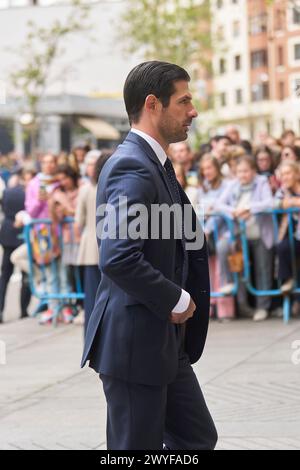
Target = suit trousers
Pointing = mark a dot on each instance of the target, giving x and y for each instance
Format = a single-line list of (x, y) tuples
[(143, 417)]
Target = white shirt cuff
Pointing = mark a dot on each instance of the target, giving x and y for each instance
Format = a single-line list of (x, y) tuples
[(182, 303)]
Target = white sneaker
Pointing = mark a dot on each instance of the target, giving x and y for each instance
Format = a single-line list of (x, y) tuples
[(287, 286), (260, 315), (227, 290)]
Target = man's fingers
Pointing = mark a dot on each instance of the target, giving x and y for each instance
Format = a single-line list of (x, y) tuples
[(176, 318), (184, 316)]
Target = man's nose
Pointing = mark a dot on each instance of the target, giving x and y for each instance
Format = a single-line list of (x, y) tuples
[(193, 113)]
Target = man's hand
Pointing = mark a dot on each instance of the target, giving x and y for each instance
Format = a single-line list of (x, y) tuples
[(184, 316)]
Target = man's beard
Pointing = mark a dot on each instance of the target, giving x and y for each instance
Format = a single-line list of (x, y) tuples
[(172, 132)]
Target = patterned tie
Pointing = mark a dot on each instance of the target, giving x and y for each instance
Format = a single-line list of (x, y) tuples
[(176, 196)]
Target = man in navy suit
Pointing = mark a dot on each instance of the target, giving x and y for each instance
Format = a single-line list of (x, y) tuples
[(150, 319)]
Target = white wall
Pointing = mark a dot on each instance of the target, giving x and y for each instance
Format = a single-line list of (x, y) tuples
[(99, 65)]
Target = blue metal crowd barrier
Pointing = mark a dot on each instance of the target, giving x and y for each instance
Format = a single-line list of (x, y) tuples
[(39, 237), (275, 213), (237, 231), (50, 267)]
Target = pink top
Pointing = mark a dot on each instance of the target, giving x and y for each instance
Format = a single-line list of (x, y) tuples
[(38, 209)]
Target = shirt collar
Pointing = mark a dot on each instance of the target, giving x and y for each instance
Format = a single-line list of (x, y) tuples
[(156, 147)]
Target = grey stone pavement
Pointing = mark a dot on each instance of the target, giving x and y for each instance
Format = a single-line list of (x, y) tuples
[(47, 402)]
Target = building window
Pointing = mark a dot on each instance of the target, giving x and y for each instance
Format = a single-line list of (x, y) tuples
[(281, 91), (223, 99), (222, 66), (295, 87), (260, 92), (296, 15), (280, 56), (259, 59), (236, 27), (239, 96), (237, 62), (258, 24), (297, 51)]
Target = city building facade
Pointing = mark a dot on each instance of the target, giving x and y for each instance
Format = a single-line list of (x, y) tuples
[(256, 67)]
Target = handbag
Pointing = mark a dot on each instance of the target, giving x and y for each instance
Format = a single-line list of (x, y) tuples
[(236, 258)]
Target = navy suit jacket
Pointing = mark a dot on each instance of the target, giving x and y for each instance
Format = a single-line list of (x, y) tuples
[(129, 334)]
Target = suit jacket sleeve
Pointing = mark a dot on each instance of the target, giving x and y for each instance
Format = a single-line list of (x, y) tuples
[(122, 259)]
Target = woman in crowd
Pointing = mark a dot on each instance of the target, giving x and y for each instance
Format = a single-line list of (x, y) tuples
[(289, 152), (77, 157), (234, 154), (288, 197), (63, 204), (13, 201), (85, 219), (190, 191), (265, 166), (212, 186), (287, 137), (41, 187), (245, 199)]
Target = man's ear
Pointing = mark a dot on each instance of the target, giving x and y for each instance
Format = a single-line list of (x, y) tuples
[(151, 102)]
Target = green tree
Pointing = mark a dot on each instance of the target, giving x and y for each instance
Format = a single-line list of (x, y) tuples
[(38, 53), (171, 30)]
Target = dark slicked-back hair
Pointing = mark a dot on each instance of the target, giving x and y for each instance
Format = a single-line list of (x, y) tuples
[(150, 78)]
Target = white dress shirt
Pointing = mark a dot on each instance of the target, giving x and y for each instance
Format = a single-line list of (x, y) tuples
[(185, 297)]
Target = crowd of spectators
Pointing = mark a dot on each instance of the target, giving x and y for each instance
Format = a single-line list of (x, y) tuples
[(226, 175)]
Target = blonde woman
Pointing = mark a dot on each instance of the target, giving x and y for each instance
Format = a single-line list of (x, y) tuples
[(212, 186)]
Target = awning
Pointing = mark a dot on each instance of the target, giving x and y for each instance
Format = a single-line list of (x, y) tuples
[(100, 129)]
